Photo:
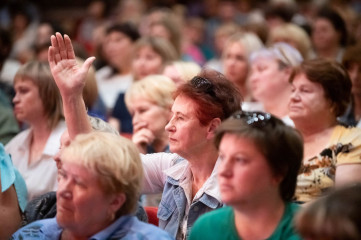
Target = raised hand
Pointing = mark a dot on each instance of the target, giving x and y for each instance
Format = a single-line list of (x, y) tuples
[(68, 75), (70, 79)]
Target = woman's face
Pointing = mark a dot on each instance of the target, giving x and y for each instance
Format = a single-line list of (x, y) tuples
[(186, 134), (144, 112), (244, 175), (308, 101), (82, 205), (235, 63), (28, 106), (267, 80), (324, 35), (146, 62), (118, 49)]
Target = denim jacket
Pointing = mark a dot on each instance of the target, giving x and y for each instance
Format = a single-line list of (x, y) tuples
[(171, 209)]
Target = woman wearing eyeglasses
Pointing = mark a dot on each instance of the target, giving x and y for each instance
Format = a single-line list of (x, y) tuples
[(321, 91), (187, 178), (259, 161)]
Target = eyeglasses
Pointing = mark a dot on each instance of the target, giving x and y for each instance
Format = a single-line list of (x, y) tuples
[(203, 84), (257, 119)]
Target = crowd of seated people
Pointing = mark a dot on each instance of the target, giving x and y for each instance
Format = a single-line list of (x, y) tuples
[(262, 142)]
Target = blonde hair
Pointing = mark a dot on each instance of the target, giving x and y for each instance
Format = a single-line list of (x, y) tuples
[(292, 33), (250, 41), (155, 88), (187, 70), (39, 73), (159, 45), (116, 162)]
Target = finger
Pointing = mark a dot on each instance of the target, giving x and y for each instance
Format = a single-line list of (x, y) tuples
[(69, 47), (55, 49), (86, 65), (139, 125), (51, 57), (62, 50)]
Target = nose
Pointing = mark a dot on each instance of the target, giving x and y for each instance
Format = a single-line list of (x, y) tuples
[(16, 98), (65, 188), (170, 126), (225, 168), (294, 96)]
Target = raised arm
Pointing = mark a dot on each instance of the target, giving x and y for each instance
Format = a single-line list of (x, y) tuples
[(70, 79)]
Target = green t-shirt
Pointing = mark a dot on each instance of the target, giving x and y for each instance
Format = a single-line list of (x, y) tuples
[(219, 224)]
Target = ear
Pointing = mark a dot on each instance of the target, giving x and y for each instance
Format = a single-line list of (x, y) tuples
[(212, 127), (117, 202), (277, 179)]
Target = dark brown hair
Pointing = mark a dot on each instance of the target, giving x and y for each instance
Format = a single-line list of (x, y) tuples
[(333, 78)]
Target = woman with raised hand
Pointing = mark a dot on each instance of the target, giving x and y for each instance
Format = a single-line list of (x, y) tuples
[(38, 104), (187, 177), (259, 161), (321, 91)]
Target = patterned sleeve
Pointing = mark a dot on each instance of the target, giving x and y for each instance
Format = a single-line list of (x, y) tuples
[(349, 146)]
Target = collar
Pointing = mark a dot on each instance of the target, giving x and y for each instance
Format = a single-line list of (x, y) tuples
[(180, 171), (107, 232)]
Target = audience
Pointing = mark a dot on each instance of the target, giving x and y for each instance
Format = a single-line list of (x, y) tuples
[(235, 59), (259, 161), (149, 99), (38, 104), (270, 69), (151, 55), (295, 36), (329, 35), (133, 48), (320, 93), (199, 107), (116, 77)]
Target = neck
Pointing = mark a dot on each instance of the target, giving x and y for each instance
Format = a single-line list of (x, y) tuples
[(124, 69), (259, 219), (329, 53), (310, 129), (201, 166)]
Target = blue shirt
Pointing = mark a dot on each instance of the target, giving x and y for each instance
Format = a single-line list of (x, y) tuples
[(126, 227)]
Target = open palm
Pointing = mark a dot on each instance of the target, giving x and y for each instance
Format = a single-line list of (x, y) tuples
[(68, 75)]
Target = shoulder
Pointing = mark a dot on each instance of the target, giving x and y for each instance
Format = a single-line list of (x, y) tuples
[(135, 229), (42, 229), (216, 224), (346, 135), (215, 219), (18, 139), (285, 229)]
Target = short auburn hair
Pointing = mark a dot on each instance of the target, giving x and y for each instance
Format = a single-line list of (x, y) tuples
[(215, 96)]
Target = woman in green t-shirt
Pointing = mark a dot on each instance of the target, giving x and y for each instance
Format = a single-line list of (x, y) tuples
[(260, 158)]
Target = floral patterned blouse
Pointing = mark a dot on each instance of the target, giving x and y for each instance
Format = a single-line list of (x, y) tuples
[(318, 175)]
